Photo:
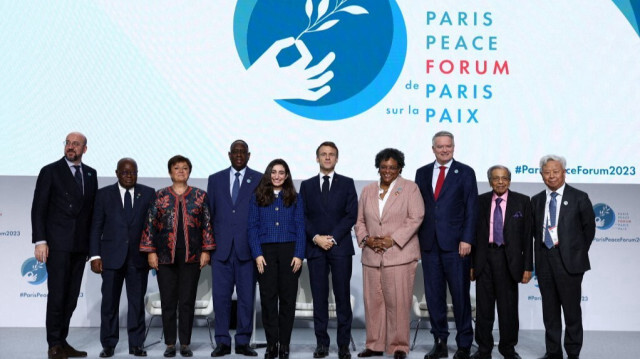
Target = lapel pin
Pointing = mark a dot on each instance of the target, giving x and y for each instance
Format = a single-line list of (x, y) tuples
[(566, 203), (248, 180), (455, 171)]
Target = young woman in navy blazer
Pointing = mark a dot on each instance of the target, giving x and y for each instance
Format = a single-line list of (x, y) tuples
[(277, 241)]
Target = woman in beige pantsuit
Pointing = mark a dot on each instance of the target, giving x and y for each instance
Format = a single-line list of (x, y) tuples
[(389, 214)]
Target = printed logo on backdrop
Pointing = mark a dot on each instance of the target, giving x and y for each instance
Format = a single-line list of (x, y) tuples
[(605, 216), (33, 271), (321, 59)]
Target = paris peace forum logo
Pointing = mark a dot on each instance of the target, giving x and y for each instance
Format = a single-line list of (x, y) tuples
[(33, 271), (605, 216), (321, 59)]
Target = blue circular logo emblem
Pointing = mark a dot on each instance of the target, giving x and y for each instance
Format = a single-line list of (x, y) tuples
[(605, 216), (34, 272), (321, 59)]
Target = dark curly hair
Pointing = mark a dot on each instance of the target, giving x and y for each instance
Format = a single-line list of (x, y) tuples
[(388, 153), (264, 191)]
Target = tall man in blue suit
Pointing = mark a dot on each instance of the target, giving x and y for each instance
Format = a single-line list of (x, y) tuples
[(60, 221), (563, 227), (331, 209), (446, 235), (229, 193), (118, 219)]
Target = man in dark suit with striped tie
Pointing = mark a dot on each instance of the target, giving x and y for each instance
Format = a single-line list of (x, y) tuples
[(564, 226)]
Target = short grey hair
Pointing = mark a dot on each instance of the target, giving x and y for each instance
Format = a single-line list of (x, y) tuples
[(545, 159), (495, 167), (442, 134)]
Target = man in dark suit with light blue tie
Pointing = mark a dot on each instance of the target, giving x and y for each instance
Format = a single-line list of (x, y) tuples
[(229, 192), (446, 235), (118, 219), (331, 209), (60, 221), (502, 258), (564, 225)]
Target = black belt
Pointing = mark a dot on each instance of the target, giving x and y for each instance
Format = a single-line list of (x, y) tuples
[(493, 245)]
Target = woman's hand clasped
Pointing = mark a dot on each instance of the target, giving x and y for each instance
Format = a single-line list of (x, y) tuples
[(205, 258), (153, 260)]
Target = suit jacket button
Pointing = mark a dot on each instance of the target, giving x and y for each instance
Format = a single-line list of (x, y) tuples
[(277, 224), (233, 211)]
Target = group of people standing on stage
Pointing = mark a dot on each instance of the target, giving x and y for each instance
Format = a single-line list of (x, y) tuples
[(251, 226)]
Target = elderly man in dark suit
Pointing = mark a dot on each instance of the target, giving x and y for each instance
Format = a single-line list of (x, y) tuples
[(501, 258), (450, 195), (564, 227), (60, 221), (330, 208), (229, 193), (118, 219)]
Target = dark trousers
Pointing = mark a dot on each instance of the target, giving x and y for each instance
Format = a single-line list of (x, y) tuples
[(226, 275), (178, 284), (496, 286), (112, 280), (340, 269), (560, 290), (441, 270), (65, 270), (278, 290)]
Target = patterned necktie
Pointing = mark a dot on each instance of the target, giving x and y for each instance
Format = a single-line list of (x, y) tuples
[(498, 225), (439, 182), (325, 189), (236, 188), (128, 205), (552, 220), (78, 177)]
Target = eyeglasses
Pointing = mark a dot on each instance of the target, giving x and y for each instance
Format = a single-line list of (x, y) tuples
[(389, 168), (128, 173), (504, 179), (74, 143)]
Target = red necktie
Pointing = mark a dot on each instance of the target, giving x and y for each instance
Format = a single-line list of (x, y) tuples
[(439, 182)]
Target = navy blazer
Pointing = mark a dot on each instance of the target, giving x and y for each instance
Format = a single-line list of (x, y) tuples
[(336, 218), (517, 232), (229, 221), (452, 218), (60, 213), (113, 237), (576, 228)]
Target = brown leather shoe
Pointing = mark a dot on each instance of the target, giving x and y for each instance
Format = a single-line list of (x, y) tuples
[(71, 352), (57, 352), (369, 353)]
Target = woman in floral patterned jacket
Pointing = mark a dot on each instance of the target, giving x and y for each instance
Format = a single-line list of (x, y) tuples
[(178, 238)]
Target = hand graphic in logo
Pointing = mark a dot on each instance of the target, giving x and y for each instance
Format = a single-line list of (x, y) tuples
[(295, 81)]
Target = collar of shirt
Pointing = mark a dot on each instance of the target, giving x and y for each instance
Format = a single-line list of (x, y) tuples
[(71, 164), (123, 190), (380, 190), (320, 175), (503, 206), (559, 191), (232, 177), (436, 172)]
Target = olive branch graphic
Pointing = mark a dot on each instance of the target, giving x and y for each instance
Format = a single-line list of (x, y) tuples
[(321, 22)]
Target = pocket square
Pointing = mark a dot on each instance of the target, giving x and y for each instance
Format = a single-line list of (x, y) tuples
[(517, 215)]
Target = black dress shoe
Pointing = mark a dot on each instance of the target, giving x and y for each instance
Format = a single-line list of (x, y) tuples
[(439, 350), (461, 353), (71, 352), (399, 354), (343, 352), (369, 353), (246, 350), (513, 356), (271, 352), (221, 350), (185, 351), (170, 352), (321, 351), (477, 355), (284, 351), (107, 352), (56, 352), (137, 351), (551, 356)]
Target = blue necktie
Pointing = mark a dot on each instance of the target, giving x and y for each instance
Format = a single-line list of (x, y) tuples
[(498, 225), (236, 188), (552, 220), (78, 177), (128, 205), (325, 189)]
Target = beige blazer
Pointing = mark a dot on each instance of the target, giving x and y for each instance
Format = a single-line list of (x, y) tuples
[(401, 216)]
